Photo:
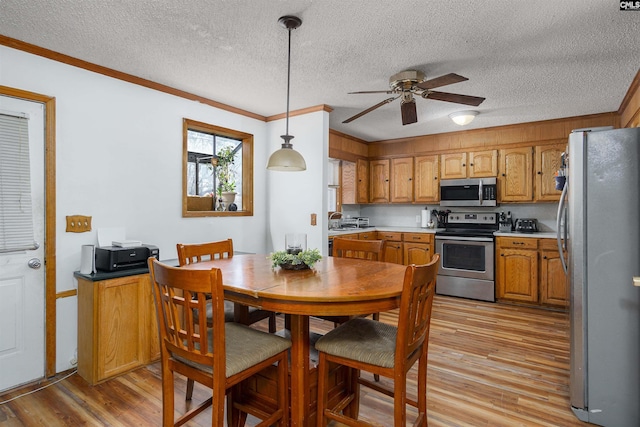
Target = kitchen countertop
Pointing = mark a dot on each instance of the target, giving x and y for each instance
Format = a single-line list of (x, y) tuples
[(537, 235)]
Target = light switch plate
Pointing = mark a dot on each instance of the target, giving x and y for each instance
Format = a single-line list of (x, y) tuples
[(78, 223)]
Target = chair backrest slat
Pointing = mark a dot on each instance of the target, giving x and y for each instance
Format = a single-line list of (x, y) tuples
[(372, 250)]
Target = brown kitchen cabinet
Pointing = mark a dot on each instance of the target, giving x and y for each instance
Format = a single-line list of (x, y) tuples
[(473, 164), (515, 180), (393, 248), (529, 270), (362, 181), (379, 181), (554, 288), (368, 235), (347, 183), (418, 248), (546, 164), (117, 327), (517, 269), (401, 185), (426, 179)]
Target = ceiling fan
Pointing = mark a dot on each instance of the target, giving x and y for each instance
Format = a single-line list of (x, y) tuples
[(411, 82)]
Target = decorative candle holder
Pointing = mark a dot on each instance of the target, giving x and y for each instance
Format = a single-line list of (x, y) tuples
[(295, 243)]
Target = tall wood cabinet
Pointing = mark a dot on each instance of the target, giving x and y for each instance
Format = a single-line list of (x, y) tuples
[(379, 178), (515, 181), (547, 163), (362, 184), (117, 327), (426, 179), (401, 185)]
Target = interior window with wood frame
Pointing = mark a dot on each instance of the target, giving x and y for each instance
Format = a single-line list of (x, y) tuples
[(217, 177)]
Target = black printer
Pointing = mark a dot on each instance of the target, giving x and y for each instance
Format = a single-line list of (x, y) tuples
[(116, 258)]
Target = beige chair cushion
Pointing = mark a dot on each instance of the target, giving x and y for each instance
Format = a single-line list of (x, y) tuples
[(228, 311), (245, 347), (363, 340)]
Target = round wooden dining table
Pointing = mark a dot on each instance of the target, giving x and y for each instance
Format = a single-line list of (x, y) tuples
[(333, 287)]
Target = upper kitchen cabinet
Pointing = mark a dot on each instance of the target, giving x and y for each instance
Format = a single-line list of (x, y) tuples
[(474, 164), (402, 180), (362, 181), (547, 163), (515, 175), (426, 179), (348, 182), (379, 179)]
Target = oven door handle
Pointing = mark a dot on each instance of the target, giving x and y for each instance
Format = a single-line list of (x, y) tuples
[(467, 239)]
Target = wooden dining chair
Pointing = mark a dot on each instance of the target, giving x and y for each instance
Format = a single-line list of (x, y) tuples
[(383, 349), (198, 252), (220, 355), (372, 250)]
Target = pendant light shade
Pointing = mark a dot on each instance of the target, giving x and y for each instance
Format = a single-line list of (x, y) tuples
[(286, 158)]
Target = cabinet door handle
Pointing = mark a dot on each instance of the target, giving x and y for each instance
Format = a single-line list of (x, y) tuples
[(409, 179), (544, 257), (463, 165), (435, 177), (504, 175), (501, 254), (470, 164), (539, 173)]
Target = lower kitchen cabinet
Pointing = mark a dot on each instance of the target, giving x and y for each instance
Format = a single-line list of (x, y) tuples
[(117, 327), (528, 270), (393, 249), (417, 248)]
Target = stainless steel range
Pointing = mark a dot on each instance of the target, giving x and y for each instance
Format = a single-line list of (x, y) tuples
[(467, 249)]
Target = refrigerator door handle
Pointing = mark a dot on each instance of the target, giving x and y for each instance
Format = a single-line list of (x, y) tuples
[(562, 206)]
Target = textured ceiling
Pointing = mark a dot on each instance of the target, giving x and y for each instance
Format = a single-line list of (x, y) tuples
[(533, 60)]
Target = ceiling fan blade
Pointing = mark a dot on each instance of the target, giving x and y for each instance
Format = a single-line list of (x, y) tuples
[(371, 91), (447, 79), (370, 109), (454, 97), (409, 112)]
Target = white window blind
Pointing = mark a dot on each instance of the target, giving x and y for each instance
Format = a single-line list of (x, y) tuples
[(16, 220)]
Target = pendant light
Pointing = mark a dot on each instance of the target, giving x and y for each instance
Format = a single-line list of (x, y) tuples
[(286, 158)]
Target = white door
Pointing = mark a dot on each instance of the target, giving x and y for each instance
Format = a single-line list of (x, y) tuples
[(22, 288)]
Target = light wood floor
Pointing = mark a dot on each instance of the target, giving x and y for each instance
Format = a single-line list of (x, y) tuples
[(489, 365)]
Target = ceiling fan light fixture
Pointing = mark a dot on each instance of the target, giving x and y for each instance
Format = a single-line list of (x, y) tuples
[(408, 110), (463, 117), (286, 158)]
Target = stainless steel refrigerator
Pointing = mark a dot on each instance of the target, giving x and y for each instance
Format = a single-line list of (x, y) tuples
[(599, 225)]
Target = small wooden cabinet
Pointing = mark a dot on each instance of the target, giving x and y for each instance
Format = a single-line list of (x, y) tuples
[(393, 249), (347, 183), (474, 164), (362, 181), (426, 179), (517, 268), (117, 327), (417, 248), (402, 180), (529, 270)]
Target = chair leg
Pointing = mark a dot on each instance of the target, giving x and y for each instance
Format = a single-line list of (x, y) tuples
[(400, 401), (189, 393), (272, 323), (283, 390), (167, 397), (322, 390)]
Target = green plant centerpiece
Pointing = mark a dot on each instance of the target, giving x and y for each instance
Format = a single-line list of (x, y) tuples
[(295, 261)]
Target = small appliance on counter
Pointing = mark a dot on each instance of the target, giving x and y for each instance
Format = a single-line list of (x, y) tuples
[(117, 258), (526, 225), (505, 223)]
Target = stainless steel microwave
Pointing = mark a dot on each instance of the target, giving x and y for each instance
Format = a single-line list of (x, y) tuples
[(468, 192)]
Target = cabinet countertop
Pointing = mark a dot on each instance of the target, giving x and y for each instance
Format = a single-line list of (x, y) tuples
[(538, 235)]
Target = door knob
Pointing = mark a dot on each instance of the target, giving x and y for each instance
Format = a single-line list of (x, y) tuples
[(636, 281), (34, 263)]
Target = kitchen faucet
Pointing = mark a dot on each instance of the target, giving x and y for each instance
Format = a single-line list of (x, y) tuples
[(331, 217)]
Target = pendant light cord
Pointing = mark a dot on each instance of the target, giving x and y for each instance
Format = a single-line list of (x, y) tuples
[(288, 80)]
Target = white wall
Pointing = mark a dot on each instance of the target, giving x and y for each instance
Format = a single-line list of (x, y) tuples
[(294, 196), (119, 160)]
